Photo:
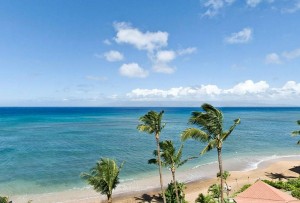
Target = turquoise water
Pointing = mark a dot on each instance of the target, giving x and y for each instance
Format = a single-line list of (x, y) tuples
[(46, 149)]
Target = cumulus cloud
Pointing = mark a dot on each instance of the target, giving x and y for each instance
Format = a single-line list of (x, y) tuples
[(293, 9), (273, 58), (165, 56), (243, 91), (148, 41), (253, 3), (113, 56), (163, 68), (242, 36), (133, 70), (248, 87), (189, 50), (291, 54), (213, 6), (107, 42)]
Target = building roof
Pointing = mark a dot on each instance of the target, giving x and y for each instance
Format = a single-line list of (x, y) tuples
[(261, 192)]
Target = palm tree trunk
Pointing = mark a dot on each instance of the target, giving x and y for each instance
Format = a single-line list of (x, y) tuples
[(175, 185), (221, 172), (159, 168), (109, 198)]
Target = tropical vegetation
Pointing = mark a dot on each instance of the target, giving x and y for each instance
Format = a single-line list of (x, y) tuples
[(171, 193), (211, 132), (152, 123), (291, 185), (4, 200), (296, 132), (104, 177), (171, 159)]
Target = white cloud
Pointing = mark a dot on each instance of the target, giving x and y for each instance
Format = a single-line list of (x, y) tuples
[(293, 9), (253, 3), (148, 41), (291, 54), (248, 87), (163, 68), (107, 42), (213, 6), (273, 58), (96, 78), (113, 56), (133, 70), (165, 56), (242, 36), (248, 90), (189, 50)]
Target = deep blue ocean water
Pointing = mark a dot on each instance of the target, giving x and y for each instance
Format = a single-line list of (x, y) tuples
[(46, 149)]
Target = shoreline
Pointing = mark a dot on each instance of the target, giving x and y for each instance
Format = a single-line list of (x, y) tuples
[(197, 179)]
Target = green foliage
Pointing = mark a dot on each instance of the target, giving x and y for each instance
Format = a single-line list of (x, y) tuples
[(214, 190), (292, 185), (211, 131), (296, 193), (225, 175), (104, 177), (4, 200), (296, 132), (151, 122), (245, 187), (205, 199), (171, 195)]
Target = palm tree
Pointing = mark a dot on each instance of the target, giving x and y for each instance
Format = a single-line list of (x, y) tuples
[(296, 132), (151, 123), (171, 159), (104, 176), (211, 132)]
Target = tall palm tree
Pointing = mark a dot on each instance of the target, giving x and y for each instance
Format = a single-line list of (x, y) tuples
[(211, 132), (104, 177), (171, 159), (296, 132), (151, 123)]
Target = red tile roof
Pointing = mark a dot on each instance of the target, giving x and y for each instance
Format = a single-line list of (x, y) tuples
[(261, 192)]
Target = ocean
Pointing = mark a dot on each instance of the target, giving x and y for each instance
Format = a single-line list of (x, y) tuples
[(44, 150)]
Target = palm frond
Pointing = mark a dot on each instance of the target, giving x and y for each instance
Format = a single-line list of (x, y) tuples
[(227, 133), (195, 134), (152, 161), (296, 132), (211, 145)]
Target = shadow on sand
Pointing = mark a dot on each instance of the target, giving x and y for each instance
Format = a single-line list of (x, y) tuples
[(148, 198), (278, 176), (295, 169)]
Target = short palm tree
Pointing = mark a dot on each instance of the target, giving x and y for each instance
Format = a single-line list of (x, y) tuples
[(151, 123), (211, 132), (171, 159), (104, 177), (296, 132)]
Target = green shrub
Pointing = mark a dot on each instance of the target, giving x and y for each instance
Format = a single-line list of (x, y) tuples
[(296, 193), (245, 187), (205, 199), (171, 194), (214, 190), (3, 199)]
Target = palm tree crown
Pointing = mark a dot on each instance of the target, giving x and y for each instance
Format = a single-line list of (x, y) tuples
[(296, 132), (104, 177), (211, 132), (151, 123)]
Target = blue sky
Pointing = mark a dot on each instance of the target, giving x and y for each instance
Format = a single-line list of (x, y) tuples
[(150, 53)]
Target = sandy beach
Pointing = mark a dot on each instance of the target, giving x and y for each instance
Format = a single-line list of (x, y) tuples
[(147, 189)]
